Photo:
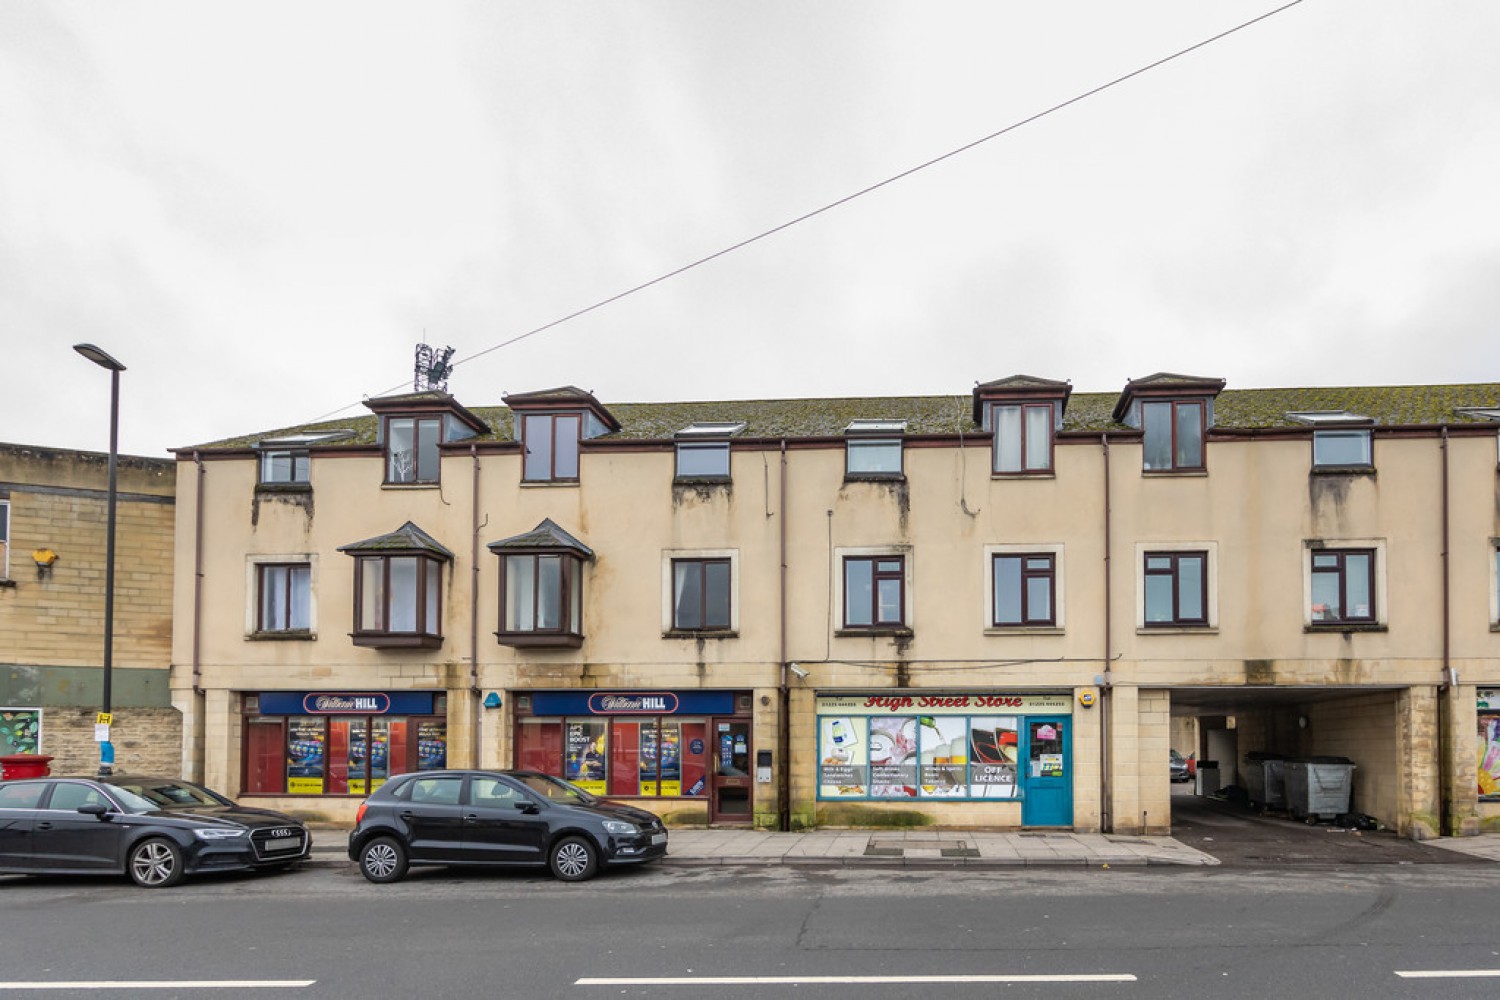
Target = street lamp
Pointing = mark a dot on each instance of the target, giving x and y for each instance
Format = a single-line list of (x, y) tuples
[(98, 357)]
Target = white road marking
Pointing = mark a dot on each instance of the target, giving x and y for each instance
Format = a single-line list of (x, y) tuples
[(1450, 974), (857, 980), (165, 984)]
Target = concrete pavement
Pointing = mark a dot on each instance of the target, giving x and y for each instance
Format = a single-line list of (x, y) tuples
[(925, 849)]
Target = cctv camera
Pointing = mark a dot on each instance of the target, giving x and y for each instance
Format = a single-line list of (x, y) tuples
[(798, 671)]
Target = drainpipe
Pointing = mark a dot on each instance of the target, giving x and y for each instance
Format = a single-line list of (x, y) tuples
[(1106, 703), (198, 577), (1445, 689), (474, 696), (784, 727)]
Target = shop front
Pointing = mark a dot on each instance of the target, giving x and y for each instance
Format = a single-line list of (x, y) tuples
[(686, 746), (920, 748), (1489, 744), (339, 743)]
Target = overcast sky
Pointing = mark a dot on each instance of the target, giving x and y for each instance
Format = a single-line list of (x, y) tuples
[(261, 208)]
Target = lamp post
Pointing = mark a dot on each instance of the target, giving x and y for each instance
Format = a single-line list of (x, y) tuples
[(98, 357)]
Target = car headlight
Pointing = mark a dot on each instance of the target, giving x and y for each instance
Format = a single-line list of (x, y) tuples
[(217, 833), (615, 826)]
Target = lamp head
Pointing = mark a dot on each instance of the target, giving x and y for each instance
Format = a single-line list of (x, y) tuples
[(98, 357)]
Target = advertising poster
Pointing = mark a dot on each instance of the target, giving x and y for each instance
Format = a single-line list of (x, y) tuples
[(893, 757), (432, 746), (1489, 743), (945, 756), (586, 756), (20, 731), (304, 759), (993, 749), (841, 758)]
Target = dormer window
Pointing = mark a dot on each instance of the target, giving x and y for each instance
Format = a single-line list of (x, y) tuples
[(1173, 414), (551, 425), (1023, 414), (1341, 440), (411, 429), (872, 449), (703, 450)]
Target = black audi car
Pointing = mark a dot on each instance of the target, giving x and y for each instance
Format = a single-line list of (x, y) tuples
[(498, 818), (156, 830)]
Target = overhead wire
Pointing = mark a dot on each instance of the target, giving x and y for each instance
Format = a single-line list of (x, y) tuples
[(830, 206)]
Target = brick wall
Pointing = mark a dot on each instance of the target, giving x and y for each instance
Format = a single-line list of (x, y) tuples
[(147, 741)]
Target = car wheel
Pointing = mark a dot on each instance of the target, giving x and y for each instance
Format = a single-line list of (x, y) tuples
[(574, 859), (383, 860), (155, 863)]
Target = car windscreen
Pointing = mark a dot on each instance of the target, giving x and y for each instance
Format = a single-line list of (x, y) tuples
[(556, 789), (172, 794), (130, 801)]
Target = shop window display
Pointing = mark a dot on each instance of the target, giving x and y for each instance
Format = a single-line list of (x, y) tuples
[(338, 755), (1489, 744), (917, 757), (648, 756)]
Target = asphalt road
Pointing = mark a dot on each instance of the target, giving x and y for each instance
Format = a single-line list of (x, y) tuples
[(777, 932)]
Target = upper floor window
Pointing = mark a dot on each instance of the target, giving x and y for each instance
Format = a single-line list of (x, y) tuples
[(541, 587), (1024, 589), (1022, 437), (702, 594), (398, 598), (1495, 583), (703, 450), (874, 448), (1173, 435), (874, 591), (284, 466), (1342, 586), (1342, 448), (551, 443), (284, 597), (1175, 588), (411, 449), (398, 589)]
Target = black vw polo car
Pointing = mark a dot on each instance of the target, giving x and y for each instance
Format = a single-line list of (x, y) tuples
[(498, 818), (156, 830)]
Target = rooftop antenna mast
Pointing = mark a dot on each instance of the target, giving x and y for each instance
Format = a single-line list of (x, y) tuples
[(432, 369)]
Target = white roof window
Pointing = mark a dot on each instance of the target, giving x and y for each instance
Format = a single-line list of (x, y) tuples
[(1328, 418), (711, 429), (306, 438), (885, 427)]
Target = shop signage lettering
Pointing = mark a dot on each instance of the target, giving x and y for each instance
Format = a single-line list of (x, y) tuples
[(325, 704), (633, 704), (944, 704)]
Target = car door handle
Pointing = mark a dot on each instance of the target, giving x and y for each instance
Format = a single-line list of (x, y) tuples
[(44, 825), (408, 814)]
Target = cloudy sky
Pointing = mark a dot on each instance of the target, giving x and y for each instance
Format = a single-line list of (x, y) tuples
[(261, 208)]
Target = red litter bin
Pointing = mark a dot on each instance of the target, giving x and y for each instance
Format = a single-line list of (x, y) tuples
[(24, 765)]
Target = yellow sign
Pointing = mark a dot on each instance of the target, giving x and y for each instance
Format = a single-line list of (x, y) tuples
[(104, 719)]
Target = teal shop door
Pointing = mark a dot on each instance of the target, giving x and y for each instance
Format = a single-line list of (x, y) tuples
[(1047, 782)]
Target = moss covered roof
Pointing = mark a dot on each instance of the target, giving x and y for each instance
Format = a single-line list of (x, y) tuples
[(1406, 405)]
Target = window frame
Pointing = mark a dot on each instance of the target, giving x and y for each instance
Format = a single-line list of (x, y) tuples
[(670, 560), (1173, 406), (874, 556), (5, 516), (427, 601), (261, 570), (1328, 434), (720, 447), (1209, 594), (1054, 619), (569, 631), (575, 442), (1375, 585), (1025, 467), (1494, 573), (417, 420), (301, 461)]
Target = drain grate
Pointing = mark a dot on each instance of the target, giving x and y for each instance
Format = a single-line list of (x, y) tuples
[(883, 852), (960, 852)]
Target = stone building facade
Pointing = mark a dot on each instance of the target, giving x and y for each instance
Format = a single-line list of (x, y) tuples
[(53, 515), (999, 609)]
